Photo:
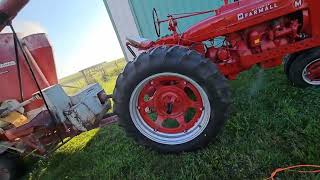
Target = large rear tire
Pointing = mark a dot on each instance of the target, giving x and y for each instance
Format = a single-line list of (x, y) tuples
[(172, 99)]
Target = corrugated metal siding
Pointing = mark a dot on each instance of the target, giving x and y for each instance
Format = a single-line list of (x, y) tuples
[(142, 10)]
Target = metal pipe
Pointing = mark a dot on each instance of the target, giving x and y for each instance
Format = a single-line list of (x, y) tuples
[(35, 65), (5, 113)]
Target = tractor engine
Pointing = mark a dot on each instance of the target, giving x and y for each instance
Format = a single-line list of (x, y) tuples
[(268, 36), (257, 39)]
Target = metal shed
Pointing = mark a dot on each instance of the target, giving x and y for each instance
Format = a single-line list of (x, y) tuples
[(132, 18)]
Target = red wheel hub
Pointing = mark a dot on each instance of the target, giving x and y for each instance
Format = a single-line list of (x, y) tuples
[(170, 104), (313, 71)]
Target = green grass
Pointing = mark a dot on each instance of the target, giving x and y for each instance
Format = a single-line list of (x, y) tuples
[(75, 82), (271, 125)]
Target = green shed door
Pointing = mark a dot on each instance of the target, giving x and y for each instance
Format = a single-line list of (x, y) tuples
[(142, 11)]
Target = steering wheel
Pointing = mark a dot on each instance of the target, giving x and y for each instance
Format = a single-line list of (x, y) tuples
[(156, 22)]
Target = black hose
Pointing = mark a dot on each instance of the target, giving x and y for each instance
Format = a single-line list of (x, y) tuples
[(18, 67)]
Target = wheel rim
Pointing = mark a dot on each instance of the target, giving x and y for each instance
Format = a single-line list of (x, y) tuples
[(4, 173), (170, 108), (311, 73)]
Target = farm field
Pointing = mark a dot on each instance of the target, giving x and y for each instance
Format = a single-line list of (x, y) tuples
[(101, 73), (272, 125)]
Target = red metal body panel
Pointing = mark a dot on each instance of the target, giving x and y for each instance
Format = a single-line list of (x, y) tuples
[(41, 63), (256, 32), (41, 51)]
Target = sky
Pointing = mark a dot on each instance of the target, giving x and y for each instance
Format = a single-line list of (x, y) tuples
[(80, 32)]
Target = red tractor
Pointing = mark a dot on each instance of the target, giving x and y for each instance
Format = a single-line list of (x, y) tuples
[(175, 97)]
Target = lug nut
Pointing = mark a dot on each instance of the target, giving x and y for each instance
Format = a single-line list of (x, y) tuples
[(147, 110)]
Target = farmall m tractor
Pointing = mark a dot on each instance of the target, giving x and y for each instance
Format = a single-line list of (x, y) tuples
[(173, 96)]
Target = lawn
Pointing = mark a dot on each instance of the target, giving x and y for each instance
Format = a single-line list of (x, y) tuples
[(272, 125)]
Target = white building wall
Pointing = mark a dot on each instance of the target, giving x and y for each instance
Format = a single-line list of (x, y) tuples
[(123, 22)]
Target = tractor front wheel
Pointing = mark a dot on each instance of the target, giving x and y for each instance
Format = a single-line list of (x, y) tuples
[(172, 99), (305, 69)]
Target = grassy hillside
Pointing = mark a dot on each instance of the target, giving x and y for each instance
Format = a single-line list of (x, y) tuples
[(75, 82), (272, 125)]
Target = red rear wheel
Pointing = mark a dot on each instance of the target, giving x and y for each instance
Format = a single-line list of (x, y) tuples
[(169, 97), (172, 99), (170, 108)]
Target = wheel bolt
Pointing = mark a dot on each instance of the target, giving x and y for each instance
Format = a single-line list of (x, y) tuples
[(147, 110)]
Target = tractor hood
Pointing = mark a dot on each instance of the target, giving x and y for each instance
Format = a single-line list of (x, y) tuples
[(239, 15), (9, 9)]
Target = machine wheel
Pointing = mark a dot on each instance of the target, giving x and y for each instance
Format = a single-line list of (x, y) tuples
[(305, 69), (172, 99), (8, 167), (287, 61)]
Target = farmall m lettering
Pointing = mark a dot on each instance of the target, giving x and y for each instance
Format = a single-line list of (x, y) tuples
[(298, 3), (257, 11)]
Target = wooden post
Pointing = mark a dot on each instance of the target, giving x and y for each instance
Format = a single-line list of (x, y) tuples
[(85, 77)]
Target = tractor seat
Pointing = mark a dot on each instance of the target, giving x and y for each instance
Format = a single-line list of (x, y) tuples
[(140, 43)]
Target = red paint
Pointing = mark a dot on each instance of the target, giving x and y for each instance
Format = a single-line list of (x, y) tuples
[(313, 71), (256, 31), (166, 91), (41, 50), (43, 65)]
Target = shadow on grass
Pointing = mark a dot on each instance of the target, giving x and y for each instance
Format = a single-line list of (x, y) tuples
[(274, 125)]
